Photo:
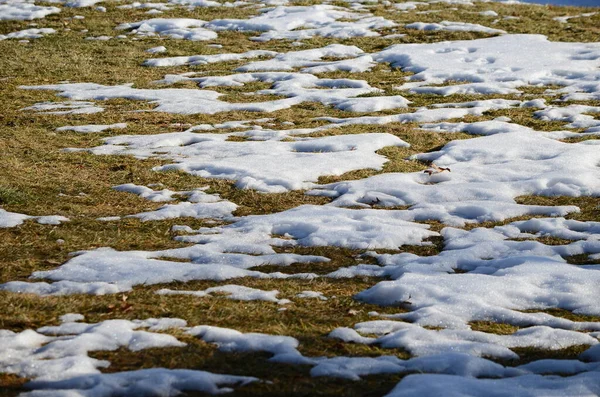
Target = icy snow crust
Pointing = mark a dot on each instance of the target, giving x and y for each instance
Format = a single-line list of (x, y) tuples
[(503, 274)]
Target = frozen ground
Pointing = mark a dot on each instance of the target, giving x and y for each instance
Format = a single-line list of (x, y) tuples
[(399, 198)]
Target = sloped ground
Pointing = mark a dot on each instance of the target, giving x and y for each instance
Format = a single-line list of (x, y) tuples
[(299, 198)]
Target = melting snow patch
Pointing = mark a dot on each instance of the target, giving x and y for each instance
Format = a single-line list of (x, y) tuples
[(311, 226), (318, 20), (565, 19), (311, 294), (297, 87), (18, 11), (498, 65), (223, 253), (587, 384), (206, 59), (198, 204), (87, 129), (12, 219), (454, 27), (492, 127), (27, 33), (68, 107), (217, 262), (60, 353), (63, 288), (487, 173), (424, 342), (156, 50), (271, 166), (283, 348), (150, 6), (171, 382), (182, 28), (504, 279), (76, 3), (231, 291)]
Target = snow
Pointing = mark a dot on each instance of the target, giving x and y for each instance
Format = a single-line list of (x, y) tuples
[(17, 11), (283, 22), (578, 116), (206, 59), (149, 382), (12, 219), (492, 127), (198, 204), (268, 166), (222, 253), (60, 353), (229, 340), (313, 226), (99, 38), (424, 342), (157, 50), (587, 384), (409, 5), (112, 271), (566, 18), (487, 173), (150, 6), (454, 27), (453, 300), (312, 295), (33, 33), (498, 65), (175, 28), (231, 291), (295, 87), (63, 288), (92, 128), (67, 107), (76, 3)]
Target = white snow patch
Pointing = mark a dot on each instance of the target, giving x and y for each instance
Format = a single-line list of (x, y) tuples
[(171, 382), (565, 19), (175, 28), (498, 65), (60, 352), (296, 87), (206, 59), (312, 295), (12, 219), (231, 291), (454, 27), (424, 342), (268, 166), (33, 33), (317, 20), (92, 128), (587, 384), (67, 107), (487, 173), (21, 11), (157, 50), (63, 288), (75, 3)]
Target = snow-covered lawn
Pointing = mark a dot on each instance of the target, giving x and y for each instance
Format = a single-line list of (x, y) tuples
[(276, 197)]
